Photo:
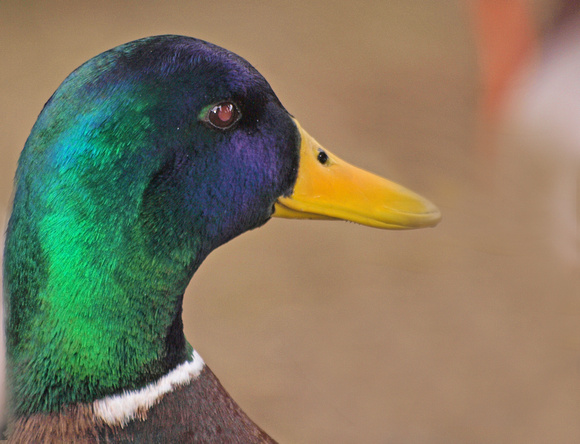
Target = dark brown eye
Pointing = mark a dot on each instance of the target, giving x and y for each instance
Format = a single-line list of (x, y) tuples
[(223, 115)]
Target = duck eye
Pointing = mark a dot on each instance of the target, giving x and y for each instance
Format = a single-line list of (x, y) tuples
[(322, 157), (223, 115)]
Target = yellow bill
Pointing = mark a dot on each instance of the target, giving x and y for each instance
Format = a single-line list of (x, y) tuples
[(330, 188)]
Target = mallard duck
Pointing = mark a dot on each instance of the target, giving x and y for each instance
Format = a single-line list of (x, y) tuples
[(144, 160)]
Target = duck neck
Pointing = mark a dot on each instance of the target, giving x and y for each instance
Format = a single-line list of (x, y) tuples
[(94, 304)]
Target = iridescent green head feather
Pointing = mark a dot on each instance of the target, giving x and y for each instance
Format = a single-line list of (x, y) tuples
[(121, 191)]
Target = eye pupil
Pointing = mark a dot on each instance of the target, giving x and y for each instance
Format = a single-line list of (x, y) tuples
[(225, 112), (223, 115), (322, 157)]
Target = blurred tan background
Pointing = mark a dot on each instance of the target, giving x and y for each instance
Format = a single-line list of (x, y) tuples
[(335, 333)]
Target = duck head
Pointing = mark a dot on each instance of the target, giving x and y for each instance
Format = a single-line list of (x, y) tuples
[(145, 159)]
